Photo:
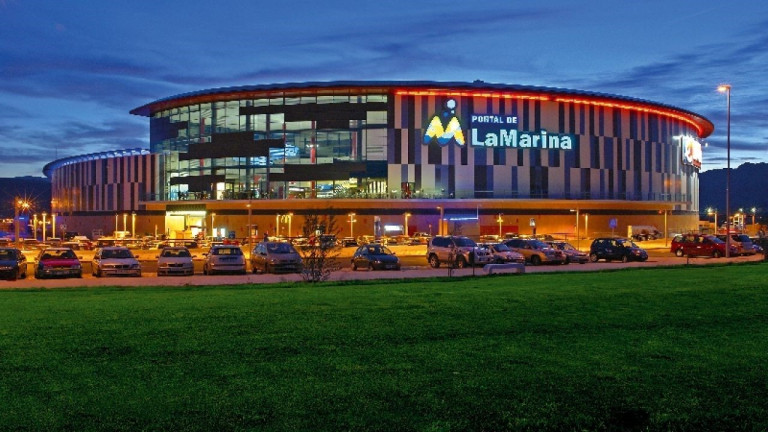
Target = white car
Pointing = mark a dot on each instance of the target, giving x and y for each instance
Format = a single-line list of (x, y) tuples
[(175, 261), (115, 261)]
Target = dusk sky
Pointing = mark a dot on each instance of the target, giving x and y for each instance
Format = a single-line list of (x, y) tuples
[(70, 71)]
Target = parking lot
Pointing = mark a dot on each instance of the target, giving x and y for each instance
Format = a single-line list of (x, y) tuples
[(412, 257)]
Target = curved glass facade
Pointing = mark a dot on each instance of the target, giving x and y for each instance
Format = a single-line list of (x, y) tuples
[(317, 145)]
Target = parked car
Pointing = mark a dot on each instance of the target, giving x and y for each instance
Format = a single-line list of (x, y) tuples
[(275, 257), (572, 255), (115, 261), (699, 245), (175, 261), (224, 259), (742, 242), (616, 248), (13, 264), (501, 253), (53, 262), (349, 242), (458, 250), (375, 257), (535, 251)]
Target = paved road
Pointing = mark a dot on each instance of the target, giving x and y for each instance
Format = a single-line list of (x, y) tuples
[(414, 266)]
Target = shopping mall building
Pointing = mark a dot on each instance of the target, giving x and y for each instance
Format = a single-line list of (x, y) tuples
[(392, 157)]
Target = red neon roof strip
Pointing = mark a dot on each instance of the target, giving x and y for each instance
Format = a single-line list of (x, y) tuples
[(584, 101)]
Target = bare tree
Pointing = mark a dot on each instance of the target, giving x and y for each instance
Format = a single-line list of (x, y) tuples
[(321, 251)]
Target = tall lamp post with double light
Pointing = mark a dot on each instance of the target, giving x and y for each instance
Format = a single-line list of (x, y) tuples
[(713, 211), (726, 88), (352, 221), (18, 205)]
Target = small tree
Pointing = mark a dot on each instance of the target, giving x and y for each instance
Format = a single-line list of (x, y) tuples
[(321, 252)]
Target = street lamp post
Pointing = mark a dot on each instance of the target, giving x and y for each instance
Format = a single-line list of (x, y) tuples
[(53, 225), (726, 88), (754, 213), (19, 204), (116, 216), (500, 221), (711, 211), (250, 232), (586, 225), (133, 224), (34, 225), (213, 226), (125, 223), (577, 228)]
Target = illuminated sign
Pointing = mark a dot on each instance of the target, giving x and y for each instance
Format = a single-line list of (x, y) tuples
[(491, 130), (691, 152), (501, 131), (445, 127)]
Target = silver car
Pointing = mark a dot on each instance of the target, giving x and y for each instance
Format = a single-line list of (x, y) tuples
[(224, 259), (115, 261), (175, 261)]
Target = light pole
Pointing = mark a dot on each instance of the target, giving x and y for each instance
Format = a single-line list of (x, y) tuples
[(115, 234), (133, 224), (53, 225), (34, 225), (19, 204), (352, 221), (213, 226), (726, 88), (277, 224), (125, 223), (500, 221), (290, 222), (711, 211), (754, 213)]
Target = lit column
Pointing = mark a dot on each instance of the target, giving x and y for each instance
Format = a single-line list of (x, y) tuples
[(125, 222), (405, 227), (133, 224), (53, 225), (578, 241), (277, 225), (586, 225), (115, 234), (213, 226), (250, 231), (44, 216), (34, 225), (440, 222), (500, 221), (290, 223), (726, 88), (352, 221)]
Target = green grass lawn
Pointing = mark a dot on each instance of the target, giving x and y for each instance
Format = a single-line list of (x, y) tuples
[(680, 349)]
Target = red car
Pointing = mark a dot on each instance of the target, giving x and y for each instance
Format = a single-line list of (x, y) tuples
[(58, 261), (699, 245)]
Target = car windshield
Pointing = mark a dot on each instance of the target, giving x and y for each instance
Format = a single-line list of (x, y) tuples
[(465, 242), (378, 250), (627, 243), (743, 238), (7, 255), (116, 253), (501, 247), (280, 248), (538, 244), (58, 254), (178, 253)]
